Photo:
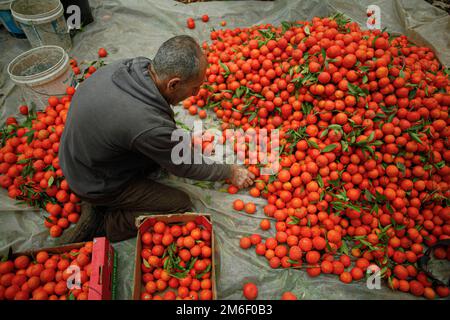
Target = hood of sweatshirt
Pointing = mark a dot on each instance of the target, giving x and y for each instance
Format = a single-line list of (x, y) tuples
[(133, 77)]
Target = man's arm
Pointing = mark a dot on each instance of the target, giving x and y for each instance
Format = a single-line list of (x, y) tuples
[(157, 145)]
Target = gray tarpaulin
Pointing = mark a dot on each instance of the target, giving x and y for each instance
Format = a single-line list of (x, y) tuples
[(130, 28)]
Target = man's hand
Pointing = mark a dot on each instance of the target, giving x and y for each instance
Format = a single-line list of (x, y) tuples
[(241, 177)]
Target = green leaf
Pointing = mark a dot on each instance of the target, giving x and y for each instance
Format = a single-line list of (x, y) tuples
[(324, 133), (29, 133), (377, 143), (369, 195), (352, 206), (415, 137), (389, 207), (401, 167), (400, 227), (49, 168), (252, 116), (286, 26), (329, 148), (146, 264), (261, 43), (365, 79), (340, 19), (208, 269), (30, 137), (374, 208), (268, 35), (166, 264), (292, 261), (50, 181), (191, 264), (364, 69), (291, 71), (313, 144), (294, 220), (307, 108), (446, 71), (334, 182), (440, 165), (338, 205), (240, 91), (307, 31), (344, 248), (23, 161), (412, 94), (322, 195), (182, 125), (320, 181), (224, 67), (356, 91)]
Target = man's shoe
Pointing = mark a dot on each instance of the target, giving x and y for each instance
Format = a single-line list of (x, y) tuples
[(90, 225)]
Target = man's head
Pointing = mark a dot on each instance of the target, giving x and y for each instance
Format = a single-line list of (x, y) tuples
[(179, 67)]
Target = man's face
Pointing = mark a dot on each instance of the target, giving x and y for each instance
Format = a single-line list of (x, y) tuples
[(184, 89)]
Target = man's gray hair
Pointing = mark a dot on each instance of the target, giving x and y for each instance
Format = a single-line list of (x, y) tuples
[(179, 56)]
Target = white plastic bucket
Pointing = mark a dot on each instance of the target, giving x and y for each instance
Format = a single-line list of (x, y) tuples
[(5, 4), (41, 73), (42, 21)]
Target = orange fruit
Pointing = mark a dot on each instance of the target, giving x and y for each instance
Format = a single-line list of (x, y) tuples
[(245, 243), (250, 208), (265, 224), (250, 291), (238, 205), (288, 296)]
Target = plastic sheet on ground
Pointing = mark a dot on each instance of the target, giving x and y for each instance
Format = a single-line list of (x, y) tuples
[(137, 28)]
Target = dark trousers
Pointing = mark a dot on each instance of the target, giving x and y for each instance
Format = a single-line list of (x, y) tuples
[(141, 197)]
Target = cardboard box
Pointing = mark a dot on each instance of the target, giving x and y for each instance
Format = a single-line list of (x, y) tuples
[(103, 280), (144, 222)]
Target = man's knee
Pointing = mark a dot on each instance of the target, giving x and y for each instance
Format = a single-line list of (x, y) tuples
[(182, 201)]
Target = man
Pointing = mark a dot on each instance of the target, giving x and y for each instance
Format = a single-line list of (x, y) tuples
[(118, 131)]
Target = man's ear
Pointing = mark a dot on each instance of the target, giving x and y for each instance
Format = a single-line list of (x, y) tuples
[(173, 84)]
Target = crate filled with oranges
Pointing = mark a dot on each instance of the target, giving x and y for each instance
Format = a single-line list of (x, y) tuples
[(79, 271), (175, 258)]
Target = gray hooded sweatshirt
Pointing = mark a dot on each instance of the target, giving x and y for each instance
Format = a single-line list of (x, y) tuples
[(118, 129)]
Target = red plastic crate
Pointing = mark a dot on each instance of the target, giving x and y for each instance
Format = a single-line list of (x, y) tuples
[(103, 279)]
